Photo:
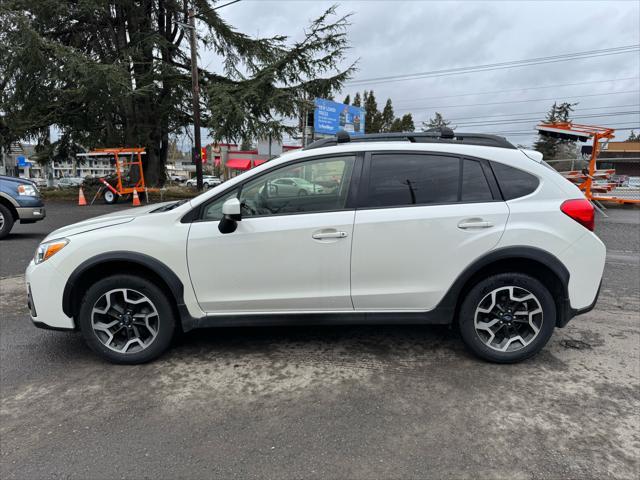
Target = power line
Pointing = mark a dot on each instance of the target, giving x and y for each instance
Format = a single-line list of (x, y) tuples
[(538, 113), (519, 89), (501, 65), (529, 120), (514, 101), (534, 132)]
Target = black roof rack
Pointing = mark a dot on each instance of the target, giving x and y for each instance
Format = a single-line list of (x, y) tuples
[(434, 135)]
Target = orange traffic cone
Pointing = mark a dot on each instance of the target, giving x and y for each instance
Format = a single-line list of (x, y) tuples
[(81, 200), (136, 199)]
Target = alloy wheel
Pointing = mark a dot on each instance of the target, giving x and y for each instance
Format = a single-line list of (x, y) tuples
[(508, 318), (1, 220), (125, 320)]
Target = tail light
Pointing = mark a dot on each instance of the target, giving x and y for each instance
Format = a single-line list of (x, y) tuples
[(581, 211)]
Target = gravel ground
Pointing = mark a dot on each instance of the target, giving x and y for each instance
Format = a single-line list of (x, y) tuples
[(331, 402)]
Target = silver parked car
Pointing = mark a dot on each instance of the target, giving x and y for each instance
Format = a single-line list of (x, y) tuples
[(208, 181)]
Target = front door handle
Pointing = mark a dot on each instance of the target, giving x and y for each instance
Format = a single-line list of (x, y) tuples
[(474, 223), (325, 235)]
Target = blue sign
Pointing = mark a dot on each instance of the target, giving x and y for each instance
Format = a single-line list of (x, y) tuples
[(22, 161), (331, 117)]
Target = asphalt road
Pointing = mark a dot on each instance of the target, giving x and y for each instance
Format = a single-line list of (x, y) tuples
[(333, 402)]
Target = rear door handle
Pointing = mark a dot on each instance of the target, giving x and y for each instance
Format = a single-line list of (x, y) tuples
[(325, 235), (465, 224)]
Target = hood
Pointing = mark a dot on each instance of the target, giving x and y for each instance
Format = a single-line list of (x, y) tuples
[(108, 220), (18, 181)]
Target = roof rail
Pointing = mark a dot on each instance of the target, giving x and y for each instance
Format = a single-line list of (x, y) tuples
[(433, 135)]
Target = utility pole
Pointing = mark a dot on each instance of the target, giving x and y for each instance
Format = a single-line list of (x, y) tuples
[(197, 154)]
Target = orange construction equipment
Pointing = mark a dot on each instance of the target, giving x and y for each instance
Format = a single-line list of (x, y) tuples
[(125, 183), (136, 199), (82, 202), (585, 180)]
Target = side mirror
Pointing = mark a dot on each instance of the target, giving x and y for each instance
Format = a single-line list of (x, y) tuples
[(231, 215)]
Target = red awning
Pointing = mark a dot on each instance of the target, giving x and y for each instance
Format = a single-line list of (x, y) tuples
[(239, 163), (258, 162)]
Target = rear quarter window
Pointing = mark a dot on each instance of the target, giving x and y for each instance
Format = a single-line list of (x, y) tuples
[(513, 182)]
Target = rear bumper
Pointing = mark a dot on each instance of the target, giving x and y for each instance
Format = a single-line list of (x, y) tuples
[(31, 214), (574, 312)]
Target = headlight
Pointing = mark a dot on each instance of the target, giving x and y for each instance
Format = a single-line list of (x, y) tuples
[(27, 190), (47, 250)]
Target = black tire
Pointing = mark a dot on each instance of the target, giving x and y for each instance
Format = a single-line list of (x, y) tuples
[(481, 292), (109, 197), (166, 323), (302, 192), (6, 221)]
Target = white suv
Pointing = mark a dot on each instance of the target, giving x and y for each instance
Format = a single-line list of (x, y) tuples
[(417, 228)]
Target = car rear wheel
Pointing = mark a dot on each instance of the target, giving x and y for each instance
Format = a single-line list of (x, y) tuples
[(6, 221), (109, 197), (126, 319), (507, 318)]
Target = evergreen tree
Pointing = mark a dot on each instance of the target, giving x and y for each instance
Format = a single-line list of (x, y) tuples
[(553, 148), (110, 73), (407, 123), (437, 121), (387, 117), (372, 117), (347, 100), (633, 137), (396, 125), (357, 102)]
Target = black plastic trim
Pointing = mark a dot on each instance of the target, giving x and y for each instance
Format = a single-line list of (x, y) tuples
[(44, 326), (573, 312), (174, 283), (432, 317)]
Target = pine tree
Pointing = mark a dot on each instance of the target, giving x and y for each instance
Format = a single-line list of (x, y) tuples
[(396, 125), (372, 117), (110, 73), (357, 102), (407, 123), (347, 100), (633, 137), (437, 121), (550, 147), (387, 117)]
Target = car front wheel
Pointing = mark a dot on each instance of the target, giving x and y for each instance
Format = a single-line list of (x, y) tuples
[(507, 318), (126, 319)]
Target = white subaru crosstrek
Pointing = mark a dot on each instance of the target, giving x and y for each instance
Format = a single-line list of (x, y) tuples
[(421, 228)]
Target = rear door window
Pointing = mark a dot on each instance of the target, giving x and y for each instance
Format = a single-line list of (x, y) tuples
[(398, 179), (475, 187)]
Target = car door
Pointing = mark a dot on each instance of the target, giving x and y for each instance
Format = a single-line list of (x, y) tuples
[(421, 220), (288, 253)]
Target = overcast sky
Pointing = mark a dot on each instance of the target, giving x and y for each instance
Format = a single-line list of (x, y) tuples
[(403, 37)]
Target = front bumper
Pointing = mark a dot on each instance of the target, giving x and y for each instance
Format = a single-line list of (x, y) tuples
[(45, 286), (31, 214)]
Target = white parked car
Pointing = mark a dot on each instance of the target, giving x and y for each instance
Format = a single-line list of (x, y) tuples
[(208, 181), (68, 182), (422, 228)]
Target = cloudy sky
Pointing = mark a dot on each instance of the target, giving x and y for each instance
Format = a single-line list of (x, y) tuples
[(393, 38)]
